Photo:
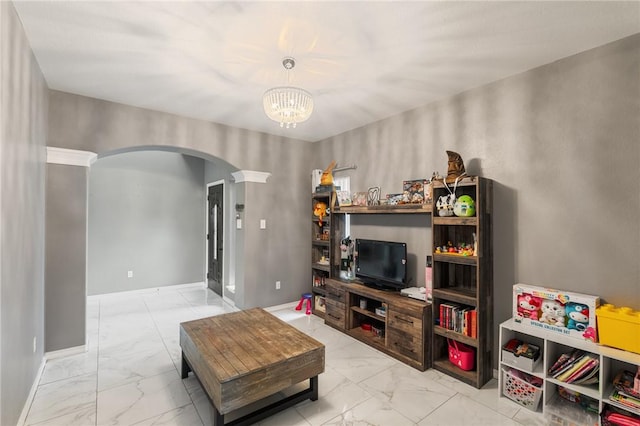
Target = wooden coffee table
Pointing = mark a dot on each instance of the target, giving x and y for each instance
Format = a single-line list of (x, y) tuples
[(242, 357)]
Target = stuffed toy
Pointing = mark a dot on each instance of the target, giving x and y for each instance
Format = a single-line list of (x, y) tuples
[(553, 312), (320, 211), (578, 315), (528, 306), (327, 176)]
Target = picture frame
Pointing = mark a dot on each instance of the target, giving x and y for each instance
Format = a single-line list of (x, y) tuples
[(344, 198), (359, 199), (413, 191)]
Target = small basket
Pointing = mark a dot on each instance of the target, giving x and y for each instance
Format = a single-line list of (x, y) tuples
[(461, 355), (520, 391)]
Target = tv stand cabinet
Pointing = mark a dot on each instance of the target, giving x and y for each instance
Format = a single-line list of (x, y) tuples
[(402, 332)]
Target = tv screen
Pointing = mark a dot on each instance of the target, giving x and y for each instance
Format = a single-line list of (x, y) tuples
[(381, 263)]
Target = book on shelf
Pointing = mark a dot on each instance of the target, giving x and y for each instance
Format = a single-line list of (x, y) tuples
[(624, 382), (586, 372), (565, 362), (625, 399)]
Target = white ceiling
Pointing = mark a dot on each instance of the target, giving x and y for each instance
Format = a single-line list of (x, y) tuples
[(362, 61)]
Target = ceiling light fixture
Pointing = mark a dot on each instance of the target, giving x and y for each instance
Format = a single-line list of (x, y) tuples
[(288, 105)]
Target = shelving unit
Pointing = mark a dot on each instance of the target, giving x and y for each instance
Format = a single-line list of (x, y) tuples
[(552, 346), (466, 281), (324, 245)]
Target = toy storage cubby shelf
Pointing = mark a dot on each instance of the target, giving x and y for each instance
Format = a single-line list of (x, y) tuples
[(324, 244), (465, 281), (552, 345)]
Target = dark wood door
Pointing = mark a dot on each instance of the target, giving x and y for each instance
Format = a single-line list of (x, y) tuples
[(215, 238)]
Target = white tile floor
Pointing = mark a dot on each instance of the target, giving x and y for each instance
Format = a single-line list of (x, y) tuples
[(130, 375)]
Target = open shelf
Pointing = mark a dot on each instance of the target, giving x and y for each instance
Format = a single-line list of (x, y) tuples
[(445, 365), (452, 220), (459, 337), (368, 337), (466, 296), (368, 313), (455, 258), (386, 209)]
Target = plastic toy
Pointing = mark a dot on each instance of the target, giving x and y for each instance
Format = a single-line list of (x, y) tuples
[(553, 312), (320, 211), (528, 306), (578, 315), (464, 206)]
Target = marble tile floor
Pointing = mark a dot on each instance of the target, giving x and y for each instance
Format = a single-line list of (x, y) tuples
[(130, 375)]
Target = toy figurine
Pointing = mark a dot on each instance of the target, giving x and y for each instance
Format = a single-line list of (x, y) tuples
[(320, 211), (455, 167), (327, 175), (553, 312), (578, 315), (528, 306)]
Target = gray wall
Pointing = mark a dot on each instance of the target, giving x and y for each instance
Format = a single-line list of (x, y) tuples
[(561, 144), (65, 270), (146, 215), (78, 122), (23, 130)]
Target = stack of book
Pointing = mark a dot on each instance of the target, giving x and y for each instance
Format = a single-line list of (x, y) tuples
[(458, 318), (624, 392), (578, 367)]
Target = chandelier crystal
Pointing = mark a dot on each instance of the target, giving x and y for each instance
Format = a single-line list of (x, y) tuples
[(288, 105)]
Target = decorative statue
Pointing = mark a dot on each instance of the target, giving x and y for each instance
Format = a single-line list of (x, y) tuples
[(455, 167), (327, 176)]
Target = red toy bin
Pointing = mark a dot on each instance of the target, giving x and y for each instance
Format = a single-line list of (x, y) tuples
[(461, 355)]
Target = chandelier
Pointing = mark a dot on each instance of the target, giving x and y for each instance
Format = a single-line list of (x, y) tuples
[(288, 105)]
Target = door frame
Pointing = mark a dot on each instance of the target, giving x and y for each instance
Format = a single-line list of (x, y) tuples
[(225, 237)]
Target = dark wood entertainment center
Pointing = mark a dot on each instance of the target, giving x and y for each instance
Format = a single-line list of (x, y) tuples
[(404, 329), (413, 331)]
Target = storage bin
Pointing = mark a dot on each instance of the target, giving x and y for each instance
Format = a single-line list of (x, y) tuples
[(619, 327), (522, 355), (520, 391), (461, 355)]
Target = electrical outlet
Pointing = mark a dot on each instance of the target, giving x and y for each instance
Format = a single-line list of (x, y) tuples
[(35, 344), (129, 274), (277, 285)]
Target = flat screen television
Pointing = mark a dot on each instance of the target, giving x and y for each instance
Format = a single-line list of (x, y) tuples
[(381, 263)]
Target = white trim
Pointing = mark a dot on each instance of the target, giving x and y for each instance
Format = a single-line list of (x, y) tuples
[(250, 176), (65, 352), (70, 157), (283, 306), (168, 288), (32, 393)]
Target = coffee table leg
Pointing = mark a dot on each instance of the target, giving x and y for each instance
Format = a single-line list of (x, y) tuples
[(313, 384), (217, 419), (184, 368)]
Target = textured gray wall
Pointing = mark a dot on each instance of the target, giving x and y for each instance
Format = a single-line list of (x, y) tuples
[(66, 269), (146, 215), (561, 144), (23, 130), (78, 122)]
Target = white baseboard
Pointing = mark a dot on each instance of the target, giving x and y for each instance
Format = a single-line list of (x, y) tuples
[(65, 352), (164, 289), (32, 393), (280, 307)]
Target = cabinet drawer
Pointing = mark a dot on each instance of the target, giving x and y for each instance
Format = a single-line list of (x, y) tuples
[(335, 313), (404, 322), (405, 344), (335, 293)]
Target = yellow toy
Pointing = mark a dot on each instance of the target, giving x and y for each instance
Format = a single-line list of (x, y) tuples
[(320, 211), (327, 176)]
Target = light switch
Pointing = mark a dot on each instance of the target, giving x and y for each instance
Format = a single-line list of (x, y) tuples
[(238, 223), (263, 224)]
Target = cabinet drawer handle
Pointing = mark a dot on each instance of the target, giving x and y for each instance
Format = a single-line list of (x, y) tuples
[(334, 317), (405, 320)]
